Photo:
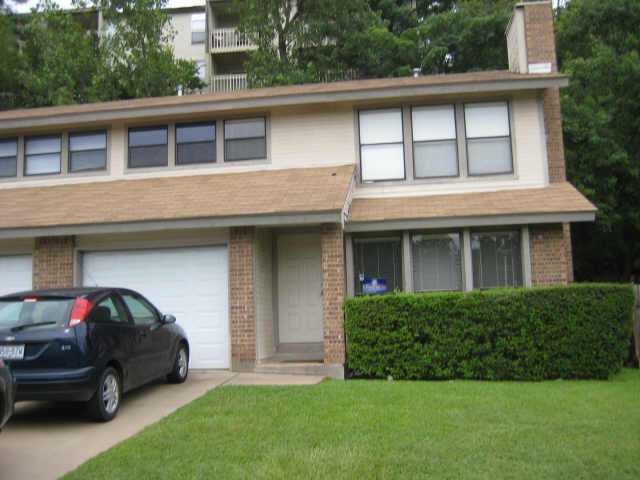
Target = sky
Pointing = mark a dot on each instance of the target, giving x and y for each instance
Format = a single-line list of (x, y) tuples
[(25, 7)]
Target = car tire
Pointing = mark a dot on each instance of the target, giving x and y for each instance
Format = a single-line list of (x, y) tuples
[(180, 370), (105, 403)]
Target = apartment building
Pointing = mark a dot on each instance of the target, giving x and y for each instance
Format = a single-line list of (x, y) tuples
[(252, 215)]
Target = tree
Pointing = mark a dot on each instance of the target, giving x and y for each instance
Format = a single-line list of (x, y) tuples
[(136, 57), (598, 46), (8, 61), (58, 59)]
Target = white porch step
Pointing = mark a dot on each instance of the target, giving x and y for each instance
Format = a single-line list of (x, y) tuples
[(299, 368)]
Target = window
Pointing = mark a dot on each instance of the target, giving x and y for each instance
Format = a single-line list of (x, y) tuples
[(195, 143), (497, 259), (198, 34), (42, 155), (245, 139), (87, 151), (435, 148), (8, 158), (378, 265), (141, 311), (437, 262), (112, 311), (488, 138), (381, 145), (148, 147)]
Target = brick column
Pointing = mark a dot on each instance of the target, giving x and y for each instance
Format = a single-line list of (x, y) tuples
[(333, 292), (53, 262), (242, 297), (550, 255)]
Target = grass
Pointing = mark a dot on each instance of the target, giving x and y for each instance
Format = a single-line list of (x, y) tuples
[(378, 429)]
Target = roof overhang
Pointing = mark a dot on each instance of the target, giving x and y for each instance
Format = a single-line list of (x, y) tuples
[(353, 91), (258, 198), (556, 203)]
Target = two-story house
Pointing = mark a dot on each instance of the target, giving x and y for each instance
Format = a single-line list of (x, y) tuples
[(251, 215)]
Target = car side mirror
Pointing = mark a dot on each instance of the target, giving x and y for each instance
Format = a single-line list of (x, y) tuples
[(168, 319)]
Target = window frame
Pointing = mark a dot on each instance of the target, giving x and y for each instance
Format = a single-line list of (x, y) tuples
[(402, 143), (510, 137), (379, 237), (71, 133), (193, 124), (524, 243), (225, 139), (203, 32), (166, 127), (26, 155), (17, 157), (456, 139)]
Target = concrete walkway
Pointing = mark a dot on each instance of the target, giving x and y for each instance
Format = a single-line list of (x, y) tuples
[(44, 441)]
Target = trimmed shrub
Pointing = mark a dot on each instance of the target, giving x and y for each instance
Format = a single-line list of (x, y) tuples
[(577, 331)]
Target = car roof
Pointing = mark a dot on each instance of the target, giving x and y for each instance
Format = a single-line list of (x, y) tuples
[(65, 292)]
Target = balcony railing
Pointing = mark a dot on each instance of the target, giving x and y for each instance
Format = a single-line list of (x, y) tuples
[(230, 40), (229, 83)]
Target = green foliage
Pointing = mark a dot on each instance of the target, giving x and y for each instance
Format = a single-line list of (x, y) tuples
[(580, 331), (599, 47), (58, 59), (137, 57), (9, 61)]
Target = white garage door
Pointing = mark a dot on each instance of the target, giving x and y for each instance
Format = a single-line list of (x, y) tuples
[(190, 283), (15, 273)]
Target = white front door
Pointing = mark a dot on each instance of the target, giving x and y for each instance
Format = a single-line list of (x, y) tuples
[(190, 283), (300, 289), (15, 274)]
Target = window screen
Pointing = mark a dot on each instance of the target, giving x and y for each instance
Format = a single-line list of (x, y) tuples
[(437, 262), (379, 259), (488, 138), (42, 155), (148, 147), (196, 143), (87, 151), (381, 145), (8, 157), (434, 141), (497, 259), (245, 139)]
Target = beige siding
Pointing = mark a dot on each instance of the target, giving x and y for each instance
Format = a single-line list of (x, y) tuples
[(264, 294), (516, 43), (312, 137), (182, 46)]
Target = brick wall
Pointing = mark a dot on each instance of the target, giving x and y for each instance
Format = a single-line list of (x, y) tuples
[(333, 292), (53, 262), (242, 297), (550, 255)]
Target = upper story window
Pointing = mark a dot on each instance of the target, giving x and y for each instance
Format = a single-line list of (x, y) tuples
[(488, 138), (198, 30), (195, 143), (435, 148), (87, 151), (148, 147), (245, 139), (381, 145), (43, 155), (8, 157)]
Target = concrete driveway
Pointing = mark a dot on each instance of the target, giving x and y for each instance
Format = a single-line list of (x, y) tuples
[(44, 441)]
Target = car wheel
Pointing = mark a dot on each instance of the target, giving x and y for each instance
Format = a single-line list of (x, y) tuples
[(105, 403), (180, 369)]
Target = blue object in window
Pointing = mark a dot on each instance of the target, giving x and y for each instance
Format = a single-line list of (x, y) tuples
[(374, 286)]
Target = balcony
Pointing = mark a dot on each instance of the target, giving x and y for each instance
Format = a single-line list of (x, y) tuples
[(229, 83), (230, 40)]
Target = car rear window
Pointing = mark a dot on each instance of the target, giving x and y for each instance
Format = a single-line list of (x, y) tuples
[(38, 313)]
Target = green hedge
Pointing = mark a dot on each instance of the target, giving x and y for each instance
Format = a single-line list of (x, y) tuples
[(577, 331)]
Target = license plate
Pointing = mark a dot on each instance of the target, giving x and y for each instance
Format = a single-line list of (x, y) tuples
[(12, 352)]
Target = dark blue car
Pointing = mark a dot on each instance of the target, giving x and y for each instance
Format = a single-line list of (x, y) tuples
[(88, 345)]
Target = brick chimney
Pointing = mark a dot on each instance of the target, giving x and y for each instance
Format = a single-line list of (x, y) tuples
[(531, 45)]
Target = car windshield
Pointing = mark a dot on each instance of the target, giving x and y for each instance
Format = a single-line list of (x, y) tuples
[(34, 313)]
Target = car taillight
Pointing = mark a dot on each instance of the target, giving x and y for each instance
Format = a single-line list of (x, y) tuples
[(80, 311)]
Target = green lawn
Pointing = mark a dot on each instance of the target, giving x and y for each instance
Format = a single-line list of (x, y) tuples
[(378, 429)]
